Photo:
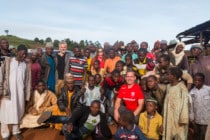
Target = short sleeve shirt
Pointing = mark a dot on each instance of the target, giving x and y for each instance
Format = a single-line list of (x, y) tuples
[(130, 96)]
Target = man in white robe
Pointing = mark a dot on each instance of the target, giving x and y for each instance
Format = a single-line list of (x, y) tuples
[(16, 89)]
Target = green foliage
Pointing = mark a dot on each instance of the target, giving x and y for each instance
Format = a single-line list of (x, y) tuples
[(15, 41)]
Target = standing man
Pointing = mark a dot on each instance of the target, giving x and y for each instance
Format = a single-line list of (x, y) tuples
[(62, 66), (131, 95), (48, 67), (16, 89), (4, 47), (78, 67)]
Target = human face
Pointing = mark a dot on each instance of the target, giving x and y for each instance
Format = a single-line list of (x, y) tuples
[(100, 52), (130, 78), (163, 63), (170, 77), (39, 52), (111, 54), (196, 52), (70, 85), (40, 87), (96, 65), (151, 83), (91, 82), (49, 50), (163, 47), (141, 56), (179, 49), (62, 48), (198, 82), (98, 79), (144, 85), (21, 55), (144, 45), (128, 61), (34, 57), (95, 109), (87, 53), (150, 107), (4, 44), (77, 52), (116, 77), (129, 48), (119, 67), (121, 122)]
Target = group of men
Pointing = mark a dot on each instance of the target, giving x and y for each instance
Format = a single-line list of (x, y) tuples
[(19, 79)]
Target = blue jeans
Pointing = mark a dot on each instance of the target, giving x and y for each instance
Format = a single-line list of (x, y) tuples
[(58, 119)]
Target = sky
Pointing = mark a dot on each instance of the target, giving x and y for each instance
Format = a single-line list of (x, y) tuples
[(102, 20)]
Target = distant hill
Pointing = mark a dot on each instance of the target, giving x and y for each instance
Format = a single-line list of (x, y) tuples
[(15, 41)]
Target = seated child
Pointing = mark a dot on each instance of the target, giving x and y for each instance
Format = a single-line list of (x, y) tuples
[(42, 100), (128, 130), (151, 121)]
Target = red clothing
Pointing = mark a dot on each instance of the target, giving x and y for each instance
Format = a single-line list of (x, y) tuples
[(35, 74), (130, 96)]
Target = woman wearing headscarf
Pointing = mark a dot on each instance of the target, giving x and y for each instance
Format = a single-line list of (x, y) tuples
[(178, 57)]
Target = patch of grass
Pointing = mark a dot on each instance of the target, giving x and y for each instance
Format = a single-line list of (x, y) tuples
[(15, 41)]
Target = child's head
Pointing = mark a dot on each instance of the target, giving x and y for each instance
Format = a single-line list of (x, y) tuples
[(128, 59), (174, 73), (151, 105), (143, 83), (40, 86), (87, 53), (119, 65), (115, 75), (164, 61), (126, 118), (152, 82), (142, 54), (96, 64), (91, 81), (95, 107), (98, 79), (198, 80)]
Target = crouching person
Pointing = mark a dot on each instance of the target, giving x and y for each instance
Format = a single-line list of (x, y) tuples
[(42, 100), (87, 121)]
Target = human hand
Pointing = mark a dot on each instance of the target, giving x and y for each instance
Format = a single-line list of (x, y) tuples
[(68, 113), (69, 128), (116, 115)]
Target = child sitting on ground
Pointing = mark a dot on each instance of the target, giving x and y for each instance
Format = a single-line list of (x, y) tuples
[(128, 130), (151, 121)]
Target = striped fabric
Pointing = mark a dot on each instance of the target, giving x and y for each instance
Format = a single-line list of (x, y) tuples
[(77, 67)]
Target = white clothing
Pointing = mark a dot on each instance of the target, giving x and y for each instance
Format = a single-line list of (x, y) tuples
[(12, 110)]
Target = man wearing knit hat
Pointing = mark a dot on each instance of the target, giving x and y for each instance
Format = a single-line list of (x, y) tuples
[(201, 63), (48, 67), (16, 90)]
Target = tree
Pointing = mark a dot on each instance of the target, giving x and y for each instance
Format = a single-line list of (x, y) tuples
[(6, 31), (41, 41), (36, 39), (56, 43), (48, 39)]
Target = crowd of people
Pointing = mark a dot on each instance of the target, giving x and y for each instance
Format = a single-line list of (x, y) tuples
[(151, 95)]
